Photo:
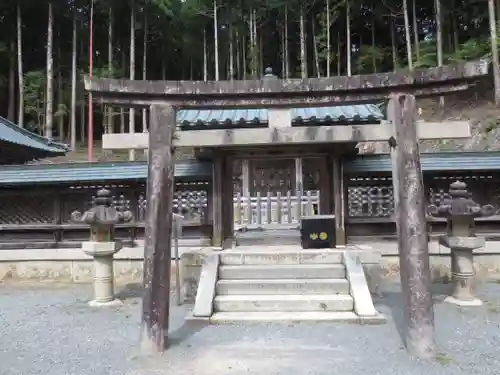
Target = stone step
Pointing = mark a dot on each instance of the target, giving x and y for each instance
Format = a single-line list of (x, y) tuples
[(289, 317), (281, 303), (282, 286), (277, 257), (302, 271)]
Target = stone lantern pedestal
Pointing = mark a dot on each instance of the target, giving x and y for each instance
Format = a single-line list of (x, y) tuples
[(462, 268), (103, 252), (102, 218), (460, 212)]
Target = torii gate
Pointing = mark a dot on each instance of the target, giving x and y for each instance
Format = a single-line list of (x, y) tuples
[(165, 97)]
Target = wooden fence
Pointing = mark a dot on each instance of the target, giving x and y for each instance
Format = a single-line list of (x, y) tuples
[(39, 216), (275, 209)]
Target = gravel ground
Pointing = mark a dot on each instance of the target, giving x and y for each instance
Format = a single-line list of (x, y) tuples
[(50, 330)]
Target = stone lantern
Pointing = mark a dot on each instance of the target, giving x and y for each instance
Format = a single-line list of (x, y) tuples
[(102, 218), (460, 211)]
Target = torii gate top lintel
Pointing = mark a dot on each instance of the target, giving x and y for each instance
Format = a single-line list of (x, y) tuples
[(288, 92)]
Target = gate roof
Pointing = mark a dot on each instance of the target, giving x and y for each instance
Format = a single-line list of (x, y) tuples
[(229, 117)]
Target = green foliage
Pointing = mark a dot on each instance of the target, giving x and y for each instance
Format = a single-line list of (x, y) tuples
[(368, 56), (472, 49), (34, 95), (61, 110), (34, 86), (175, 39), (165, 6), (321, 37), (107, 71), (428, 54)]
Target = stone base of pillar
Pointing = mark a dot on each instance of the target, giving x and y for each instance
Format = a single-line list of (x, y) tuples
[(113, 303), (102, 252), (340, 237), (463, 303)]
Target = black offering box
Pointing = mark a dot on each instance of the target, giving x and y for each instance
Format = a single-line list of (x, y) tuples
[(317, 232)]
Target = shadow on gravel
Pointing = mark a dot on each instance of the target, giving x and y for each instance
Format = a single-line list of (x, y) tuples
[(393, 300), (130, 291), (185, 332)]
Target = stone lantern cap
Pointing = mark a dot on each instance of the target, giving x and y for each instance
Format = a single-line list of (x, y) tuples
[(460, 204), (102, 213)]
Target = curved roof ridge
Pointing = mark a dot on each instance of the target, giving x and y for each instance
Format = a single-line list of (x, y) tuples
[(21, 136)]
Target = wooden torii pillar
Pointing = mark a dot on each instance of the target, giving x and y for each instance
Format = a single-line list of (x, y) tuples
[(164, 98)]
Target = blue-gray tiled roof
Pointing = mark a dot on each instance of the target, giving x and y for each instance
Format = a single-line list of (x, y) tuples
[(358, 113), (93, 172), (431, 162), (11, 133), (130, 171)]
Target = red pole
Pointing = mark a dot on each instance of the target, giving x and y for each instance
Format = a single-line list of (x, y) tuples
[(91, 55)]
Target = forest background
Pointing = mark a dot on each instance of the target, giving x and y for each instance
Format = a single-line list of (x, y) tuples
[(44, 51)]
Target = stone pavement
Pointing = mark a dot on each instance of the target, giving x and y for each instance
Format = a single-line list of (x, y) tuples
[(49, 329)]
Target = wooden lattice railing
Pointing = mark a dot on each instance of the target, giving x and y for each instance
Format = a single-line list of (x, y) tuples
[(40, 216), (275, 209)]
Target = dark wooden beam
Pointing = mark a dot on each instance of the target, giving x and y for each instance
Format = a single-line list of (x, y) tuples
[(158, 238), (217, 199)]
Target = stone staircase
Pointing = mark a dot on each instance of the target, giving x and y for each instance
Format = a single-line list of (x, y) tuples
[(283, 285)]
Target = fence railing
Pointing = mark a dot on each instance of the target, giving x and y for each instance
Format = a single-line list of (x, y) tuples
[(275, 208)]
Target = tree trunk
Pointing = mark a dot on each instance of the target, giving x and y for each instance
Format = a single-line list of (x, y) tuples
[(109, 110), (497, 5), (82, 98), (415, 30), (408, 35), (49, 116), (205, 56), (20, 71), (238, 54), (303, 57), (287, 55), (131, 119), (316, 52), (216, 42), (244, 57), (82, 121), (60, 97), (374, 45), (231, 52), (339, 53), (494, 50), (393, 45), (145, 70), (348, 38), (456, 41), (252, 46), (439, 40), (73, 85), (283, 50), (255, 45), (328, 37), (11, 112), (122, 111), (163, 69), (261, 56)]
